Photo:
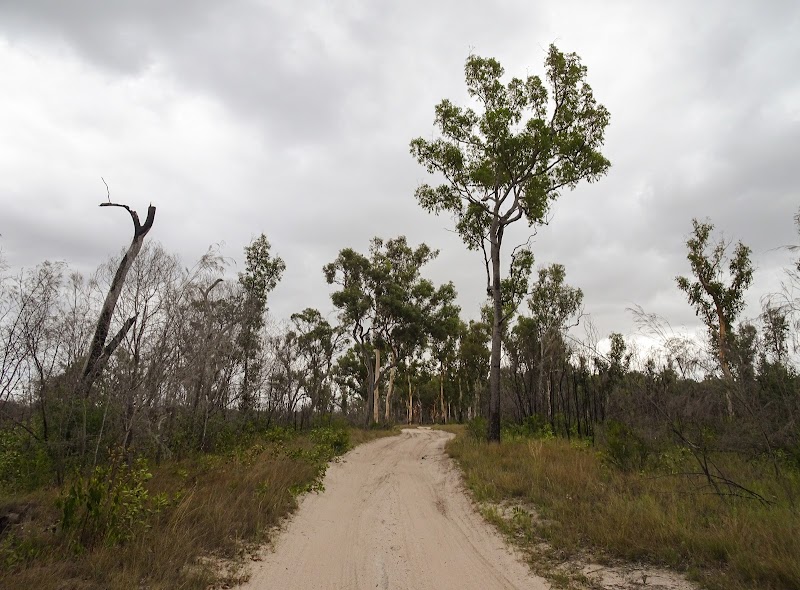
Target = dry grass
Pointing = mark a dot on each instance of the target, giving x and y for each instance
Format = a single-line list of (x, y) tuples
[(583, 503), (359, 435), (454, 428), (220, 507)]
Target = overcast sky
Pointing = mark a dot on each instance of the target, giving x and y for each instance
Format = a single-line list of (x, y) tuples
[(294, 118)]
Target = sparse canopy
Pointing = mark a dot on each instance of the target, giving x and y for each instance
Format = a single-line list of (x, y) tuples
[(508, 161), (717, 293), (262, 272), (555, 306)]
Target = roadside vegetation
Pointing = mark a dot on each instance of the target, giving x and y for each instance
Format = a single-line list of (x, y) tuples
[(581, 501), (189, 523)]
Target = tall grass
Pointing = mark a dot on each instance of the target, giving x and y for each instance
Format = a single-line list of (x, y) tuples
[(659, 515), (218, 508)]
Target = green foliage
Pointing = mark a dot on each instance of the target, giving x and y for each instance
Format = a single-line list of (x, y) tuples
[(624, 447), (388, 307), (515, 286), (337, 440), (109, 506), (16, 551), (318, 343), (534, 427), (476, 428), (263, 271), (776, 332), (328, 443), (717, 293), (350, 374), (383, 295), (24, 463), (509, 162), (513, 145), (553, 303)]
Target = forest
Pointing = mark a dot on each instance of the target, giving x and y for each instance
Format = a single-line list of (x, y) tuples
[(151, 360)]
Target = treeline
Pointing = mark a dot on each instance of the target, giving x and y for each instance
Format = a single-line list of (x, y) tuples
[(736, 392), (187, 350), (201, 364), (191, 361)]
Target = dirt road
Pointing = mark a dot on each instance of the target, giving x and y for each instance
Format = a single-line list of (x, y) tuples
[(393, 516)]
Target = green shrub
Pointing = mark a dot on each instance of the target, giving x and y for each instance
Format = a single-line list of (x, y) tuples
[(624, 447), (18, 551), (477, 428), (109, 506), (337, 439), (24, 463)]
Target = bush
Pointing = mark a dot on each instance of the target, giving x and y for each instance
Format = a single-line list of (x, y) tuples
[(537, 426), (24, 464), (477, 428), (335, 438), (624, 447), (109, 506)]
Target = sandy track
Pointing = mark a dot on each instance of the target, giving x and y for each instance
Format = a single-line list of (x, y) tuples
[(393, 516)]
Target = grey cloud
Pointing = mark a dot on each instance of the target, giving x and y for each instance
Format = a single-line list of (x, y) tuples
[(329, 101), (263, 60)]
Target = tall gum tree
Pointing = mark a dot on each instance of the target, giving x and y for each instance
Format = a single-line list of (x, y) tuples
[(263, 271), (508, 161), (717, 293)]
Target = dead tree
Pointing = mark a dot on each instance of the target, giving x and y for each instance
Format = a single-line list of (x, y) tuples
[(100, 350)]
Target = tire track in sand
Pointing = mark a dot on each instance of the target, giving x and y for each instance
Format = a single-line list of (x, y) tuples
[(393, 516)]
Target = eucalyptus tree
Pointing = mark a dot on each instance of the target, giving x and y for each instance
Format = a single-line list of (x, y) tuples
[(522, 346), (508, 162), (318, 345), (350, 377), (145, 352), (718, 289), (445, 330), (775, 330), (263, 272), (473, 365), (555, 307), (536, 346), (386, 304), (612, 370)]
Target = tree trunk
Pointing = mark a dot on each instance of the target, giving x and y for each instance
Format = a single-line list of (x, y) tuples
[(371, 379), (390, 388), (441, 393), (494, 373), (722, 346), (460, 401), (376, 397), (540, 379), (99, 351), (410, 401)]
